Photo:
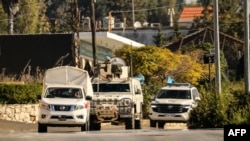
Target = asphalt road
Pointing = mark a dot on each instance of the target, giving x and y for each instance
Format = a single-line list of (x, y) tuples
[(10, 126), (119, 134), (18, 131)]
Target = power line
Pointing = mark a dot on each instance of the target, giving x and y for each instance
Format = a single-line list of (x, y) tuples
[(147, 9)]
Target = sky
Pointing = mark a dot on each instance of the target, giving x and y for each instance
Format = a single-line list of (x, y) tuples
[(190, 1)]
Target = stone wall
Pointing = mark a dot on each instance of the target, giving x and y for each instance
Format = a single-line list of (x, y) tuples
[(19, 112)]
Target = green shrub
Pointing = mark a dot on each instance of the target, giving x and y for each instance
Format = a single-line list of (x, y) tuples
[(209, 112), (20, 93), (149, 90), (232, 106)]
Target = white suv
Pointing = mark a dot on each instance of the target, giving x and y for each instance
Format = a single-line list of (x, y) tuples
[(173, 103)]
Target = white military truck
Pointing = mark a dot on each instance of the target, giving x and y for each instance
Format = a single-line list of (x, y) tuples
[(173, 103), (117, 97), (65, 99)]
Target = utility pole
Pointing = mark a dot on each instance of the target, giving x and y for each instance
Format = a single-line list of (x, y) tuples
[(133, 12), (217, 48), (246, 43), (93, 30), (110, 21)]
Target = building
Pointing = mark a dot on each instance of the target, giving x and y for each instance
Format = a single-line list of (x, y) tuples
[(25, 53), (106, 45), (188, 14)]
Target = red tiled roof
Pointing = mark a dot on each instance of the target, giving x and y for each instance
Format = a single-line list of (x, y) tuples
[(188, 13)]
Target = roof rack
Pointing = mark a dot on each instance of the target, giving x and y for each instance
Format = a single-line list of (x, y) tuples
[(179, 84)]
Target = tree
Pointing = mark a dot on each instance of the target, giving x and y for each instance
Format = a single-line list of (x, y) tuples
[(159, 63), (59, 15), (43, 25), (11, 7), (160, 39), (3, 21), (231, 20), (176, 33), (27, 16), (205, 3), (188, 70), (152, 15), (206, 20)]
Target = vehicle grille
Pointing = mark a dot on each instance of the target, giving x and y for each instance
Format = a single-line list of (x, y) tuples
[(62, 117), (169, 108), (107, 103), (62, 107)]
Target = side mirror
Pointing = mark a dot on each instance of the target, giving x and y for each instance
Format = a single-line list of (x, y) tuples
[(197, 99), (88, 97), (138, 91), (152, 98)]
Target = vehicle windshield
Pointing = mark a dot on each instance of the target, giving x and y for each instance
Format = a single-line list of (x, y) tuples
[(174, 94), (111, 87), (64, 93)]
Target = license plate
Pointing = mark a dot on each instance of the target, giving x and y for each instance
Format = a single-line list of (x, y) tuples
[(169, 115), (62, 119)]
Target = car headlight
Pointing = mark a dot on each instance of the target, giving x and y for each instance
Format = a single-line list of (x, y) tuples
[(125, 102), (186, 106), (153, 106), (79, 107), (45, 106)]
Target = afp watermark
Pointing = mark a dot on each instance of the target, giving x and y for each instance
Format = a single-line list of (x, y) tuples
[(241, 132)]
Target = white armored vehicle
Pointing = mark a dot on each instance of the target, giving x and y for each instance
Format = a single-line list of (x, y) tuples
[(173, 103), (117, 97), (65, 99)]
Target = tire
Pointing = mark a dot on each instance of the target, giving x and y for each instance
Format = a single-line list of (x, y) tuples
[(192, 122), (161, 125), (128, 123), (95, 126), (152, 123), (85, 127), (138, 124), (42, 128)]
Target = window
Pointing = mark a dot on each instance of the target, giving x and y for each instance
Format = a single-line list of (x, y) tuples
[(175, 94), (137, 89), (64, 93), (111, 87)]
